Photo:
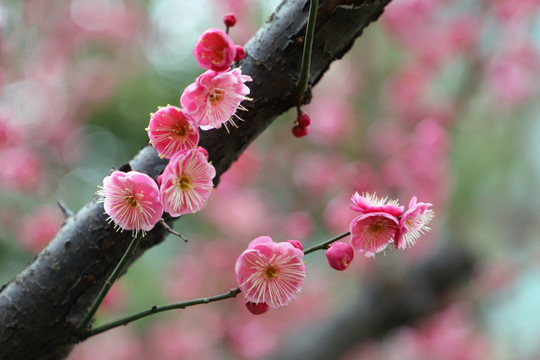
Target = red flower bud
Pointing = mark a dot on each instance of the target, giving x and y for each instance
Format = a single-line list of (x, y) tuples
[(240, 53), (299, 130), (229, 20), (304, 119), (297, 244), (339, 255), (257, 309)]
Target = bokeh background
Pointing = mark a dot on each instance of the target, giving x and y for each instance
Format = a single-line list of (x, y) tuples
[(438, 99)]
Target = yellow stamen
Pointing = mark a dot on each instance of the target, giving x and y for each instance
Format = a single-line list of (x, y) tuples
[(184, 183), (270, 272)]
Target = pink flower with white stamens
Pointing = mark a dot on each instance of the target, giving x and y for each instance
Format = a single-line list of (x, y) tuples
[(171, 130), (414, 223), (132, 201), (372, 233), (186, 182), (369, 203), (271, 273), (212, 100), (214, 50)]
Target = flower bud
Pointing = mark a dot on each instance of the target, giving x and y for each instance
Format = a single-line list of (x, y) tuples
[(299, 130), (257, 309), (229, 20), (339, 255), (303, 119), (297, 244), (240, 53)]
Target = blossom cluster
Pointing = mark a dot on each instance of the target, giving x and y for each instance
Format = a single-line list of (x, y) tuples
[(133, 200), (383, 223), (271, 274)]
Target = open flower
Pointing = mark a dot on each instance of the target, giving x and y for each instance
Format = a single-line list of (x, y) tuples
[(131, 200), (369, 203), (212, 100), (413, 223), (186, 182), (270, 273), (372, 233), (170, 131), (214, 50)]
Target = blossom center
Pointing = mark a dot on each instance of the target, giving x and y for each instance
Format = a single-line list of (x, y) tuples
[(376, 227), (180, 130), (271, 272), (184, 182), (131, 200), (218, 56), (215, 95)]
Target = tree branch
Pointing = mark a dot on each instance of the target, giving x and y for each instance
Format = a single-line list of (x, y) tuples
[(42, 306)]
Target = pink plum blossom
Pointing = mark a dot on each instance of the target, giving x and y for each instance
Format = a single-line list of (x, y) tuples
[(186, 182), (371, 233), (212, 100), (370, 203), (132, 201), (513, 73), (214, 50), (269, 272), (170, 131), (413, 223)]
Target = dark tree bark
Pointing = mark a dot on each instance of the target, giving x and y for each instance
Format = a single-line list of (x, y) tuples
[(40, 308)]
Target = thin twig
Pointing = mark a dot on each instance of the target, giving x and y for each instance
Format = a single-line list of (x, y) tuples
[(170, 229), (109, 283), (157, 309)]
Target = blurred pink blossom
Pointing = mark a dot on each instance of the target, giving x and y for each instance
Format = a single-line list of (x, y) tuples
[(512, 11), (185, 338), (37, 229), (117, 344), (244, 171), (316, 171), (332, 119), (513, 73), (298, 225), (20, 170), (115, 299), (337, 216), (251, 215)]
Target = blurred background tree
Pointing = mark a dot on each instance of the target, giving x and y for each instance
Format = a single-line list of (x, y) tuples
[(438, 99)]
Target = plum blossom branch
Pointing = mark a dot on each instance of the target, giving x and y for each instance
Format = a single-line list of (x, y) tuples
[(324, 245), (157, 309), (182, 304)]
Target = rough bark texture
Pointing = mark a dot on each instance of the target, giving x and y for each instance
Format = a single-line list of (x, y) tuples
[(41, 306)]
